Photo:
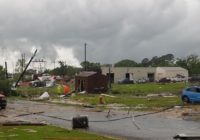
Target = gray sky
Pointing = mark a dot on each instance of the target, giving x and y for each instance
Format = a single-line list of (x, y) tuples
[(113, 29)]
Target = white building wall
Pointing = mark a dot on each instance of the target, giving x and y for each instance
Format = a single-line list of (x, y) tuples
[(142, 72), (160, 73), (136, 73)]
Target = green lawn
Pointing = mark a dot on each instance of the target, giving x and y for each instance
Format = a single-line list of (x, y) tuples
[(148, 88), (132, 89), (147, 103), (32, 91), (135, 95), (45, 133), (129, 95)]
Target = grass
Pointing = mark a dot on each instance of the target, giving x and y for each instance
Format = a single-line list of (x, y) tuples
[(32, 91), (131, 101), (144, 89), (129, 95), (131, 89), (45, 133)]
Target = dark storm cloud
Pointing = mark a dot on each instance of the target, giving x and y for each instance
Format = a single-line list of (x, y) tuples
[(113, 29)]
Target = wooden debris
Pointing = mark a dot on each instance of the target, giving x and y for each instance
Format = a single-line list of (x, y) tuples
[(31, 113), (22, 123)]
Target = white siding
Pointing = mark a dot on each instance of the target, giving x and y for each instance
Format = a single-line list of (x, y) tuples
[(142, 72)]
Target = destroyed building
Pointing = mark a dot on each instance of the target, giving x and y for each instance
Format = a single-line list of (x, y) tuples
[(91, 82)]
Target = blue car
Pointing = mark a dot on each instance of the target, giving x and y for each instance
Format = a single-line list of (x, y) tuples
[(191, 94)]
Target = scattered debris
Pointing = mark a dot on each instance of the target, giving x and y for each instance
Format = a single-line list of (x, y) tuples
[(30, 130), (108, 114), (178, 107), (108, 95), (22, 123), (133, 120), (44, 96), (186, 137), (31, 113), (82, 92), (2, 115), (161, 95), (89, 106)]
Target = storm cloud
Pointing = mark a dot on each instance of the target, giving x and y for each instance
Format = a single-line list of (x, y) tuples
[(112, 29)]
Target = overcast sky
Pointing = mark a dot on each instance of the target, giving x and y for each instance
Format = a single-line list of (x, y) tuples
[(113, 29)]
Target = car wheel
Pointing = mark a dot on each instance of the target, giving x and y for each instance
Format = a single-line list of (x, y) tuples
[(186, 99)]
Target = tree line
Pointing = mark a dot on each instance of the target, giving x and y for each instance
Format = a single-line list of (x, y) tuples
[(191, 63)]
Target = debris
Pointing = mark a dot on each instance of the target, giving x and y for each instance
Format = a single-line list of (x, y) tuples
[(186, 137), (49, 84), (31, 113), (108, 114), (133, 120), (178, 107), (66, 89), (22, 123), (61, 96), (1, 115), (30, 130), (101, 100), (80, 122), (88, 106), (108, 95), (44, 96), (82, 92), (161, 95)]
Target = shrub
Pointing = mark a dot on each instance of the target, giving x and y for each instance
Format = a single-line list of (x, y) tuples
[(5, 87)]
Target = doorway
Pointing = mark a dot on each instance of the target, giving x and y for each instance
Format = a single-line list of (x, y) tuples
[(151, 77)]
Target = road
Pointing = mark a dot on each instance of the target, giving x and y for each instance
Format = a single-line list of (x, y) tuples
[(151, 127)]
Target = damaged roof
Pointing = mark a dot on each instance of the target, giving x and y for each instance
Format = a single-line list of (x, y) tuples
[(86, 73)]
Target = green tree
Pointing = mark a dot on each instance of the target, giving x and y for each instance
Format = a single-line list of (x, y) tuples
[(145, 62), (126, 63), (164, 60), (191, 63), (91, 66), (64, 70), (20, 64)]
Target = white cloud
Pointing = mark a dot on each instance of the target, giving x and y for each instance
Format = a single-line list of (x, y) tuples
[(66, 55)]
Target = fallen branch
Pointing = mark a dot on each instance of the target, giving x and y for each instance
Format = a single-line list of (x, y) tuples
[(31, 113), (3, 115), (21, 123)]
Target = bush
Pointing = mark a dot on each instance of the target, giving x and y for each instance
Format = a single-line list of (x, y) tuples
[(5, 87)]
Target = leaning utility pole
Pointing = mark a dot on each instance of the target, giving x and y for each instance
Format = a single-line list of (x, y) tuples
[(25, 68), (23, 61)]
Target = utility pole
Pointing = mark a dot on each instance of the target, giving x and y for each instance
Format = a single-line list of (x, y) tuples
[(54, 64), (41, 64), (6, 69), (85, 57), (109, 77), (23, 61), (25, 68)]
